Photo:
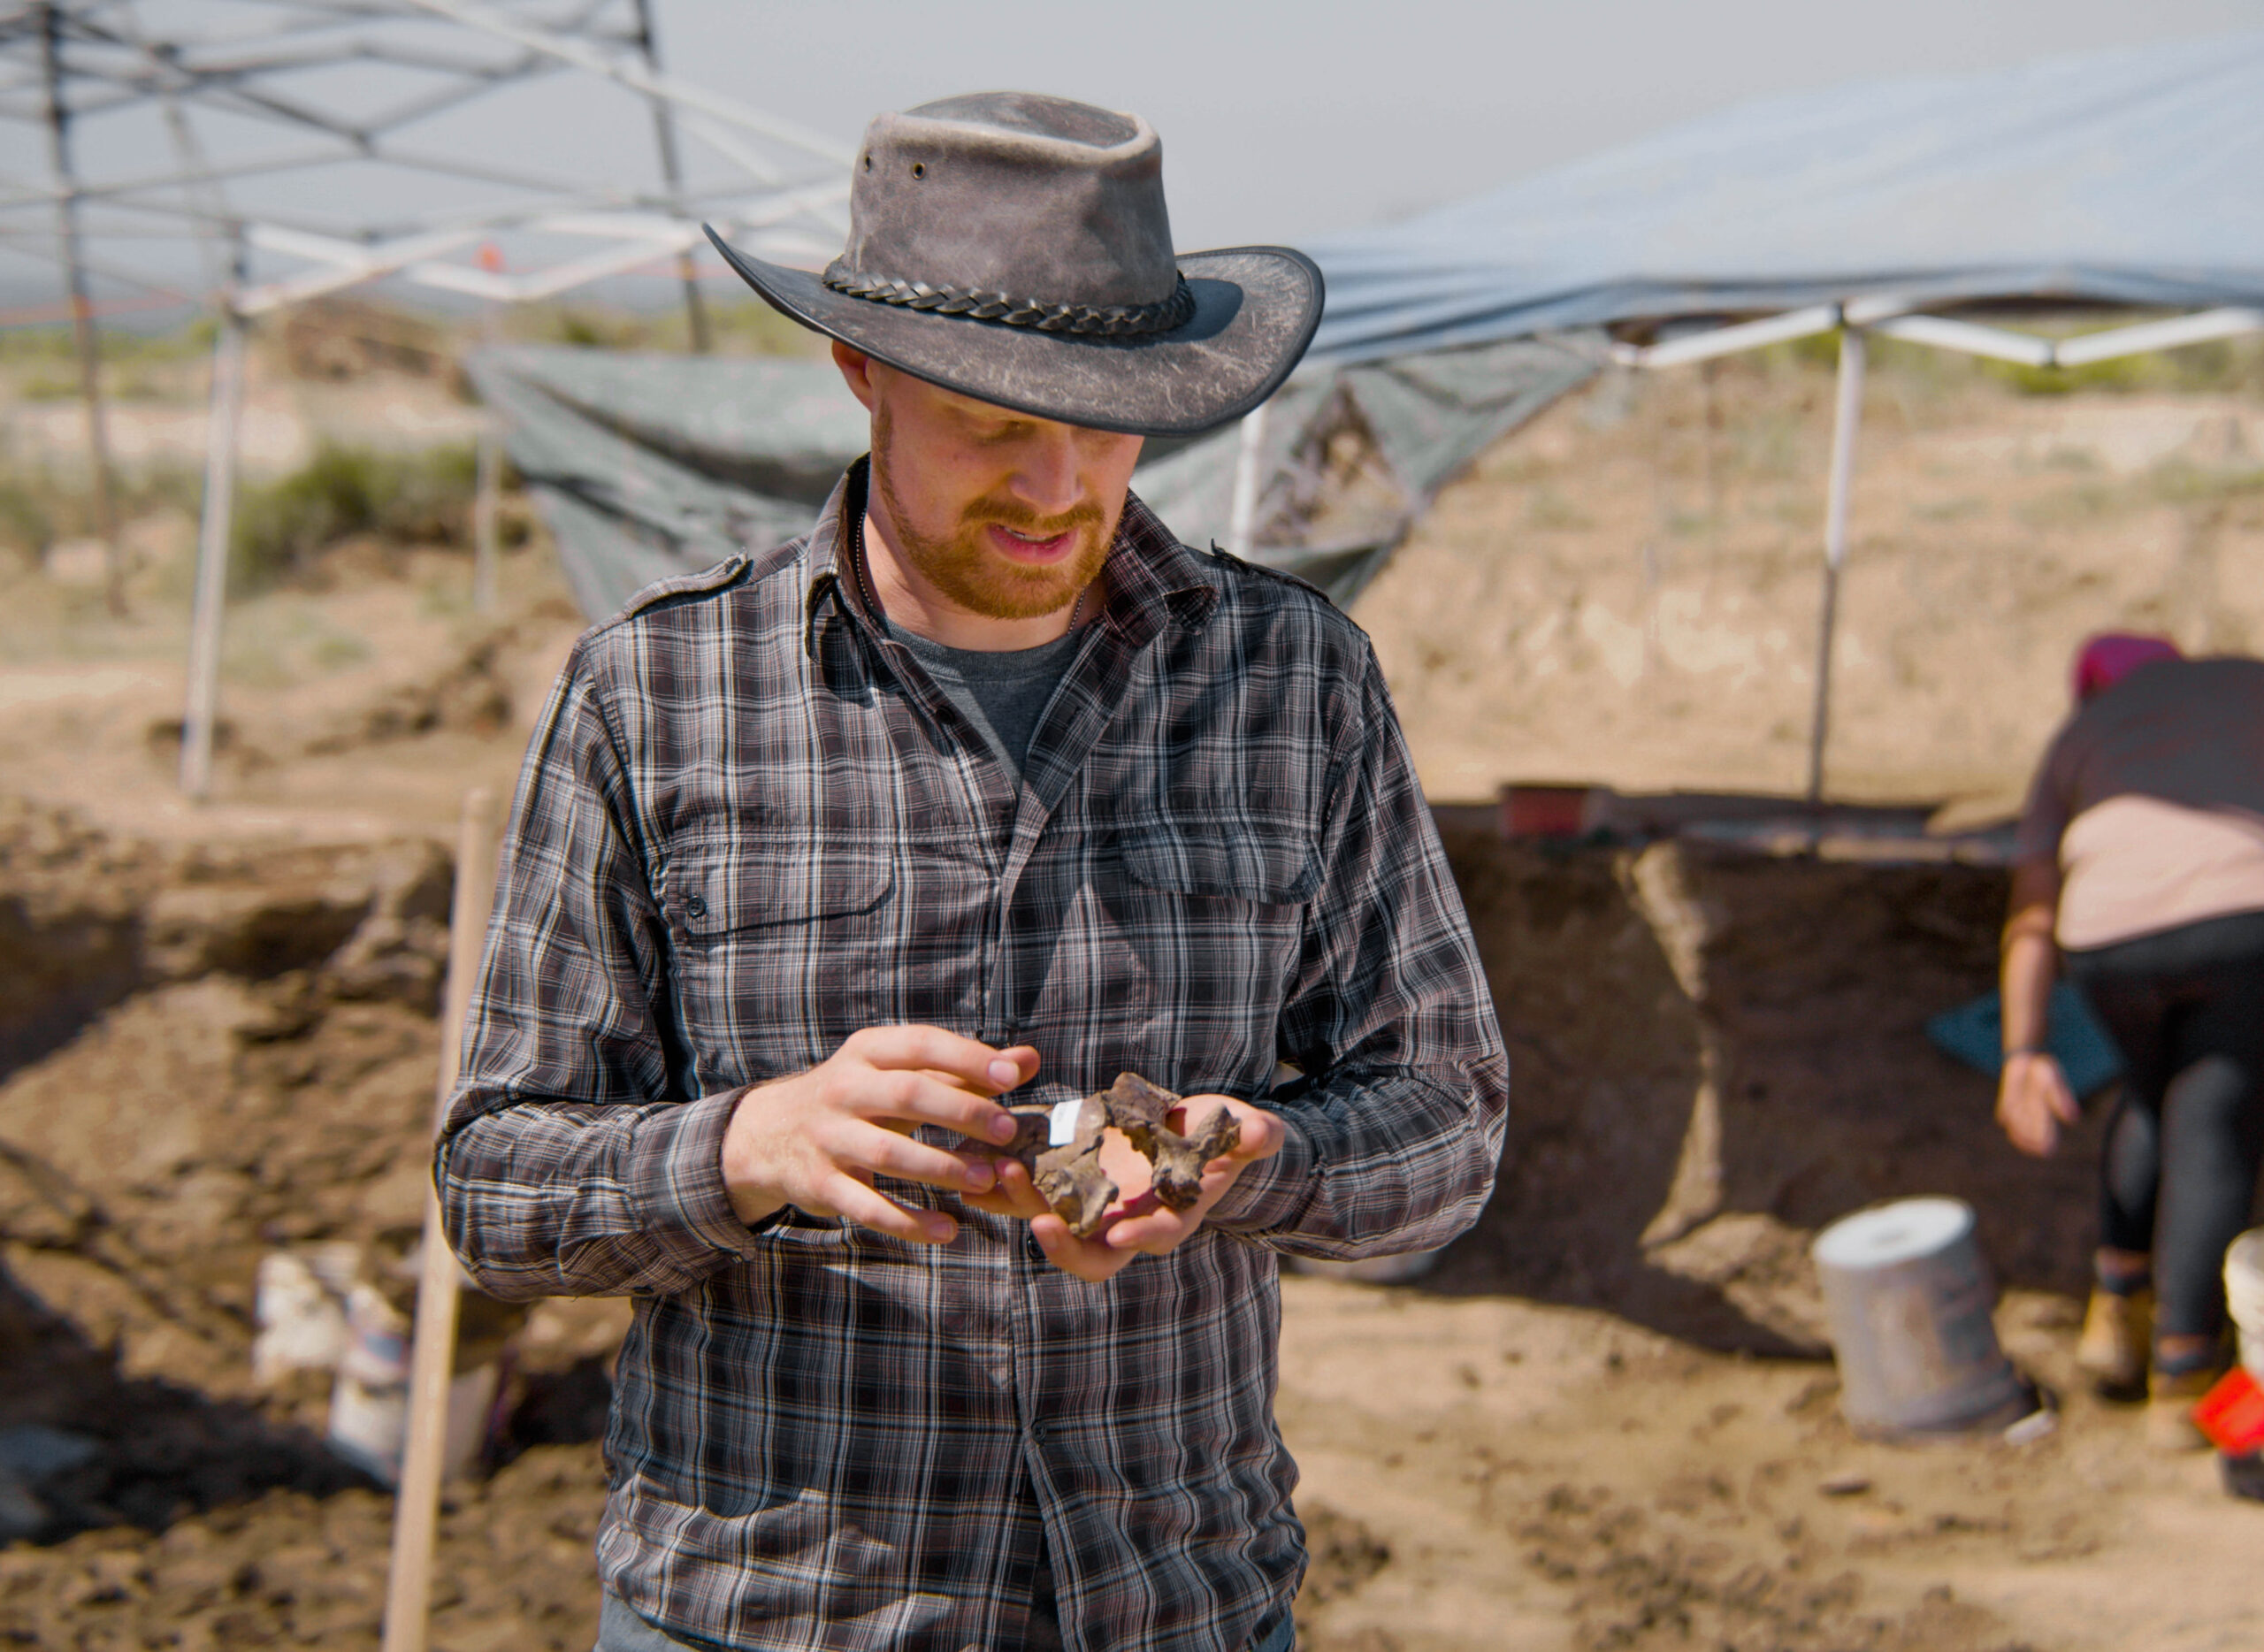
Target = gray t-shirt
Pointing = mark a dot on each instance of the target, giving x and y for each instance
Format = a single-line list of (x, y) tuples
[(1004, 694)]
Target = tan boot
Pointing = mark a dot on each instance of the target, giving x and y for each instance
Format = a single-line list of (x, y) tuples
[(2170, 1426), (2117, 1331)]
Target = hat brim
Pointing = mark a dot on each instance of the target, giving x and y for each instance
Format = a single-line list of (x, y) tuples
[(1256, 308)]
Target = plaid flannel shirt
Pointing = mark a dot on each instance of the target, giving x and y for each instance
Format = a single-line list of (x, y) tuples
[(749, 825)]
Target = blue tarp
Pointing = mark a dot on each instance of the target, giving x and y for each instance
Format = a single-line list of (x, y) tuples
[(1974, 1033), (2130, 177)]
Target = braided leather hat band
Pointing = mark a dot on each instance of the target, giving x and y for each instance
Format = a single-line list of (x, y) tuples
[(1105, 320)]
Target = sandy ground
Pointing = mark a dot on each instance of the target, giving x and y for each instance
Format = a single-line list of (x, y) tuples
[(1604, 1421)]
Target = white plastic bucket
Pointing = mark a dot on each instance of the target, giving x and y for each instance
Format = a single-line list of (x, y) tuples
[(1908, 1299), (369, 1407), (2245, 1296)]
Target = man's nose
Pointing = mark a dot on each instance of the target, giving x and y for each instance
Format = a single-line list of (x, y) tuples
[(1046, 475)]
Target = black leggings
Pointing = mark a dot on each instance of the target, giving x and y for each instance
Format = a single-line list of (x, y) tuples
[(2186, 1007)]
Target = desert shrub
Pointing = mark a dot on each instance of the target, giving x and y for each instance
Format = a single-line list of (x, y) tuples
[(2180, 482), (755, 329), (282, 528), (749, 328), (1818, 349), (55, 345), (588, 331), (39, 505), (25, 528), (2120, 372)]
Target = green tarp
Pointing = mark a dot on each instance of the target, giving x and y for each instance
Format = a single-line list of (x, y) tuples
[(647, 466)]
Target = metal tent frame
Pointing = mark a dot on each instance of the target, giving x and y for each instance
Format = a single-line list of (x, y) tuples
[(246, 94), (1855, 321)]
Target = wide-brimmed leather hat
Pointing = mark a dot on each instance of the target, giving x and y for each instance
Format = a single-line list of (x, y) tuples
[(1015, 248)]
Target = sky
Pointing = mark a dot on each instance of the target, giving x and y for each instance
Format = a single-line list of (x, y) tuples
[(1281, 121), (1287, 120)]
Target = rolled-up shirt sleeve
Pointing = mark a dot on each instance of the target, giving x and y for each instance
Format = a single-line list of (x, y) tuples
[(1394, 1140), (569, 1164)]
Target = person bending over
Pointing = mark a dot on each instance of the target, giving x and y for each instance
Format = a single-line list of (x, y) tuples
[(2140, 862)]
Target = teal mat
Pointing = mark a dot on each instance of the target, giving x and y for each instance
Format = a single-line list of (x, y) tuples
[(1974, 1033)]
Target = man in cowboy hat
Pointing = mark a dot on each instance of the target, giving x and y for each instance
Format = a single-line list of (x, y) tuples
[(986, 785)]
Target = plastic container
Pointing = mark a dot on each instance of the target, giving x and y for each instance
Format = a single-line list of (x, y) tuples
[(2245, 1296), (2242, 1470), (2231, 1413), (1908, 1299), (1546, 811), (369, 1407)]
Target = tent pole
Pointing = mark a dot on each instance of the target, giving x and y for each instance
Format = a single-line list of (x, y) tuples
[(1847, 417), (695, 309), (488, 488), (484, 500), (82, 309), (214, 531), (1241, 520)]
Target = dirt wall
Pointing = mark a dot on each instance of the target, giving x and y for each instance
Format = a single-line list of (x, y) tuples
[(1714, 1054)]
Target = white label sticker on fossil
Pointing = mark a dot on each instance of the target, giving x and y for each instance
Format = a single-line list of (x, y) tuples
[(1061, 1124)]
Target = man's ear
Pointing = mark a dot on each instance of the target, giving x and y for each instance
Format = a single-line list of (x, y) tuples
[(857, 372)]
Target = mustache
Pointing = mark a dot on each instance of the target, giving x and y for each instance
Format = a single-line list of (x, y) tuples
[(1011, 513)]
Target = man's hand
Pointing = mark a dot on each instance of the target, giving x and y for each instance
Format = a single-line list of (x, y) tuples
[(2033, 1101), (815, 1140), (1137, 1224)]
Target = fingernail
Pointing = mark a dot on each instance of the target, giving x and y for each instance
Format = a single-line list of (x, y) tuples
[(941, 1230), (979, 1178), (1005, 1073), (1002, 1128)]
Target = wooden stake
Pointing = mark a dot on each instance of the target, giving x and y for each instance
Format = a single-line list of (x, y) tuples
[(416, 1507), (215, 528)]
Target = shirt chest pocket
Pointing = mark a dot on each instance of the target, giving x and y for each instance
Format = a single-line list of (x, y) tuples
[(1259, 864), (1211, 915), (778, 944)]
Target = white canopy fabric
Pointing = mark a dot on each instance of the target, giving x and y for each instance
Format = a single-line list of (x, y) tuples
[(2131, 176)]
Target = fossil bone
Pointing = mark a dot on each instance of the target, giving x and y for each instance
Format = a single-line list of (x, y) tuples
[(1068, 1177)]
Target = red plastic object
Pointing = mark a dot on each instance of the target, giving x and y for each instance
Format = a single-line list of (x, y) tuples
[(2232, 1413), (1544, 811)]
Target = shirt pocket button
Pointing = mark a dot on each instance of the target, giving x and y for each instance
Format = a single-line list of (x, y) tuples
[(695, 907)]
